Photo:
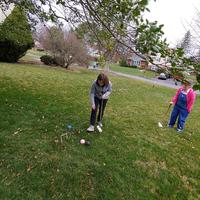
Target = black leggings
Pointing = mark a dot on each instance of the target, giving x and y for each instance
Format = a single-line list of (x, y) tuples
[(98, 105)]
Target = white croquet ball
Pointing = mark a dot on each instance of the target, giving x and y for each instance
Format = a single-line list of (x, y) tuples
[(82, 141)]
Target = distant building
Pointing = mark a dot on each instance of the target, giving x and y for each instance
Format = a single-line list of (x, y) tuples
[(93, 52), (138, 61), (160, 61)]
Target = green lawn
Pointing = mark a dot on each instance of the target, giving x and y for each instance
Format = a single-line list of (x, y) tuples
[(132, 71), (32, 55), (132, 159)]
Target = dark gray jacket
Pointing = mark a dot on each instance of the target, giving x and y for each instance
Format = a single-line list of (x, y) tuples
[(100, 92)]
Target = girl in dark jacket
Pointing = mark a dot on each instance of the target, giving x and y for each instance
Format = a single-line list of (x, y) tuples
[(99, 95)]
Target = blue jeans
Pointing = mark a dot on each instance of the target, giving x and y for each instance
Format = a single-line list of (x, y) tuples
[(179, 113)]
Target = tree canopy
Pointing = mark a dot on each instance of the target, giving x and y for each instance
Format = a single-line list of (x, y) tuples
[(121, 20)]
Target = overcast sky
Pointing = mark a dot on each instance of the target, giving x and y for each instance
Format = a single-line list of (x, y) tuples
[(174, 14)]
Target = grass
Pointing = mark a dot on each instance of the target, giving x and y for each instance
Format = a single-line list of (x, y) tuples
[(132, 71), (131, 159), (32, 55)]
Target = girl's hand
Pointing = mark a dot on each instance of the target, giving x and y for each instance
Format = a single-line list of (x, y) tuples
[(93, 106), (104, 96), (171, 102)]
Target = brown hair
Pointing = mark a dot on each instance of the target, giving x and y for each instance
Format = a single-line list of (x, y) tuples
[(104, 78)]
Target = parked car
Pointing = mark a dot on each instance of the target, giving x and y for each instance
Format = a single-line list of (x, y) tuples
[(162, 76)]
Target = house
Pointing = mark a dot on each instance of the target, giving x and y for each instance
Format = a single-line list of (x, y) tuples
[(158, 60), (93, 51), (137, 61)]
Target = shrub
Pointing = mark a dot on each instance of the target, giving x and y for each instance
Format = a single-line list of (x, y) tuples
[(134, 66), (40, 49), (15, 36), (48, 60), (123, 62)]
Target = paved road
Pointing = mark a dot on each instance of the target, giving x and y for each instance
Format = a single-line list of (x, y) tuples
[(167, 83)]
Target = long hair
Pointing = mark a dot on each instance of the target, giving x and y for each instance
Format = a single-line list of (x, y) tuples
[(104, 78)]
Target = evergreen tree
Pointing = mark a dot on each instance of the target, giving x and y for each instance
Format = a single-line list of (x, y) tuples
[(15, 36)]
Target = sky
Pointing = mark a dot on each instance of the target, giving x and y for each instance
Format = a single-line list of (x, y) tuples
[(175, 15), (2, 14)]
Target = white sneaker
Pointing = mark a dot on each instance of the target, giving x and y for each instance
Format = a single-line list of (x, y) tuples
[(90, 129), (179, 130), (100, 124)]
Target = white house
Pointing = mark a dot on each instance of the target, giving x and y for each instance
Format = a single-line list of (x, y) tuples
[(136, 60), (160, 61), (93, 52)]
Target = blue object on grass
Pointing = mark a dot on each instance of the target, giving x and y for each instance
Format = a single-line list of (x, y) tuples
[(69, 126)]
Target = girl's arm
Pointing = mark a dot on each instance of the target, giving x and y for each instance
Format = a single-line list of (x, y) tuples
[(174, 99), (192, 100), (107, 94)]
